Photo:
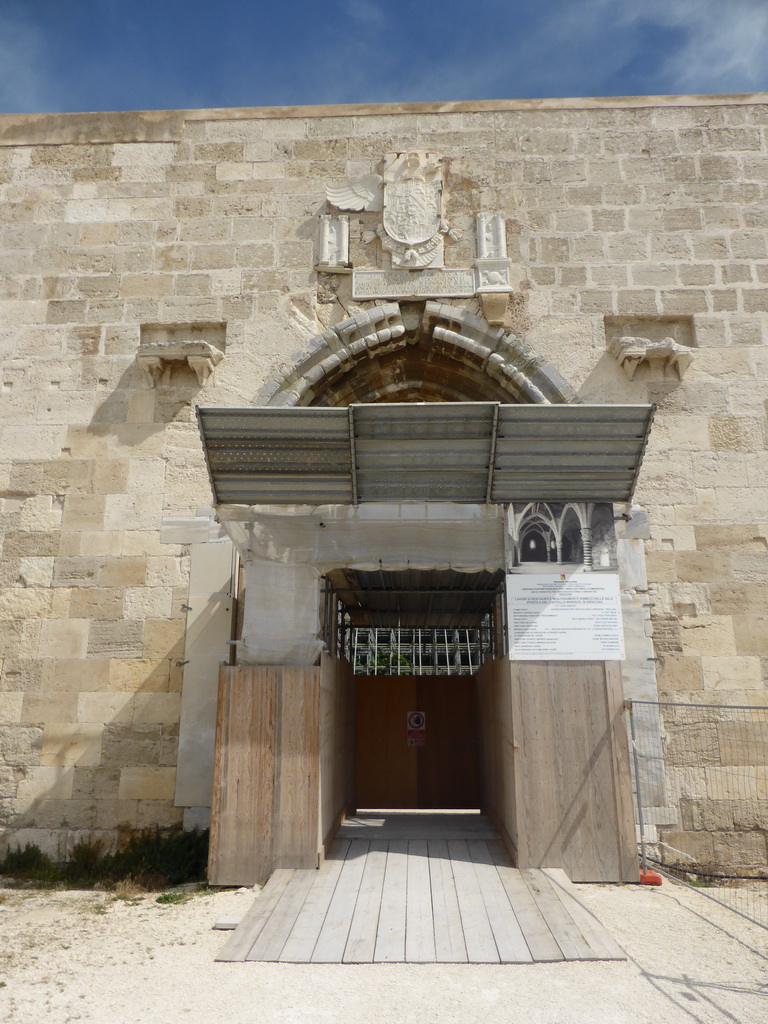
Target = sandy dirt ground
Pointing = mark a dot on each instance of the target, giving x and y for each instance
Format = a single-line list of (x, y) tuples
[(87, 957)]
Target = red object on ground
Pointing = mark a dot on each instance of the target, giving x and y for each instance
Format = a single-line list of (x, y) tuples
[(650, 877)]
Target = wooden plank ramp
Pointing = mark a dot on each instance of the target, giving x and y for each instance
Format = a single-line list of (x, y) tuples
[(419, 900)]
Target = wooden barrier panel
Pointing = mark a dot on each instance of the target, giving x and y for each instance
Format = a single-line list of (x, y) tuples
[(337, 745), (265, 811), (554, 760), (497, 760), (573, 793), (297, 770)]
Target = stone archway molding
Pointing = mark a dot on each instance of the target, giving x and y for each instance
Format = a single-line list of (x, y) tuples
[(455, 333)]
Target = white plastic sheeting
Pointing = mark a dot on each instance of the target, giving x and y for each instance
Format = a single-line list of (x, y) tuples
[(286, 549), (281, 623)]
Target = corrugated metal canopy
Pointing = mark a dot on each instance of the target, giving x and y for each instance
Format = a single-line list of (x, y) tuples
[(473, 452)]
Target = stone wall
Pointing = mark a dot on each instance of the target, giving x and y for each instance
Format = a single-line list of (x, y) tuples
[(643, 219)]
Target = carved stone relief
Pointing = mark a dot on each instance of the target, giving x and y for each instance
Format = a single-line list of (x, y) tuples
[(334, 242), (491, 236), (408, 192)]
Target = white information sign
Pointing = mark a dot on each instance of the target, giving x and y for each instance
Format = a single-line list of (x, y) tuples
[(559, 617)]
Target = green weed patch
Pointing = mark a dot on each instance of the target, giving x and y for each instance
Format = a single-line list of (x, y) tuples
[(148, 860)]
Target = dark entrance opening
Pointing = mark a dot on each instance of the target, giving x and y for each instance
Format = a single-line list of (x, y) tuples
[(397, 770), (416, 639), (535, 548)]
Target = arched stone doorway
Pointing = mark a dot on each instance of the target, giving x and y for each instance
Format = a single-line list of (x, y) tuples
[(411, 352), (416, 352)]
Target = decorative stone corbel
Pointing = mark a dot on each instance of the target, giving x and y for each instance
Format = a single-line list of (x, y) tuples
[(204, 365), (667, 355), (157, 359), (494, 305), (152, 367)]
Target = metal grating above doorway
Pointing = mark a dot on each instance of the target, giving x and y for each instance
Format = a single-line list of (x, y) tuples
[(471, 452), (415, 598), (415, 621)]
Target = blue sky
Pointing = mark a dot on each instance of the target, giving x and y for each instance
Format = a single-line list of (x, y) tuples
[(69, 55)]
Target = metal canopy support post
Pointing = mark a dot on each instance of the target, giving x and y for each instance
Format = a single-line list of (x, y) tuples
[(492, 457), (352, 453), (640, 821)]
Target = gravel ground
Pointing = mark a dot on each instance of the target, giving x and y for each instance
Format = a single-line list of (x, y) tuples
[(88, 957)]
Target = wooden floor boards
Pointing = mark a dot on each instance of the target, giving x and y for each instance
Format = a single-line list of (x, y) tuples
[(438, 890)]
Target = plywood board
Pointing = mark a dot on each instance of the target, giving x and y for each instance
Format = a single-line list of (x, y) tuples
[(497, 748), (296, 769), (242, 814), (336, 743), (266, 773), (572, 781)]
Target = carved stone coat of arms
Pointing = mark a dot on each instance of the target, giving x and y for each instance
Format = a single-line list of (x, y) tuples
[(409, 191)]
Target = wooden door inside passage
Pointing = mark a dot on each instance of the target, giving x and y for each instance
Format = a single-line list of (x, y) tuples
[(441, 773)]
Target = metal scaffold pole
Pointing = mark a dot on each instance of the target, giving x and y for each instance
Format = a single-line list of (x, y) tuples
[(643, 860)]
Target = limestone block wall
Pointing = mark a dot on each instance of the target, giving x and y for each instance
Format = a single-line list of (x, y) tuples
[(642, 218)]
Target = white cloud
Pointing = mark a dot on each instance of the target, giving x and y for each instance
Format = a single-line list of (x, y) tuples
[(366, 13), (599, 47), (704, 46), (724, 48)]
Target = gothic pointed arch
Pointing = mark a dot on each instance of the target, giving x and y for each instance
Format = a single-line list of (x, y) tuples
[(416, 352)]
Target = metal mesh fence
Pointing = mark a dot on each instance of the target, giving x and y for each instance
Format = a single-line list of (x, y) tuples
[(700, 775), (420, 652)]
